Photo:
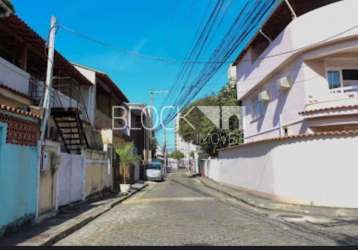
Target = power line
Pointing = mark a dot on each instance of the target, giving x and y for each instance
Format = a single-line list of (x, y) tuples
[(203, 35), (243, 26)]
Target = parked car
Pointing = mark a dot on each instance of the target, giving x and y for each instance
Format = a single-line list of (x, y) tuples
[(155, 171)]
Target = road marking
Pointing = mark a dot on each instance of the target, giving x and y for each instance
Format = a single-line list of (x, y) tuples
[(156, 200)]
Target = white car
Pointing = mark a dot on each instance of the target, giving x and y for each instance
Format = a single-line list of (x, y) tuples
[(155, 171)]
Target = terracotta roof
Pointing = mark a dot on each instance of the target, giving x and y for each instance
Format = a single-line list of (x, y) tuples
[(328, 109), (112, 86), (24, 32), (301, 136), (18, 111)]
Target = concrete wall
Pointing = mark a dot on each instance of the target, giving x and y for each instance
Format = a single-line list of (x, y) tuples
[(18, 181), (98, 172), (320, 171), (47, 199), (14, 77), (48, 178)]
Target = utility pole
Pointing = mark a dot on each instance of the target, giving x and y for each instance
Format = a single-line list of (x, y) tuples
[(49, 77), (46, 104), (152, 94)]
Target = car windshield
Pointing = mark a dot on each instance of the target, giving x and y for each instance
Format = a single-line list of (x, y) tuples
[(154, 166)]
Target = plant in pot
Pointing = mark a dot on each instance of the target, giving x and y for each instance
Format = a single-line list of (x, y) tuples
[(127, 158)]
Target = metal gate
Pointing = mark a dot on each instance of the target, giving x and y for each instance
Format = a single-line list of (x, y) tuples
[(70, 184)]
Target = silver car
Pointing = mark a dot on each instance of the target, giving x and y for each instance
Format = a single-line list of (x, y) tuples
[(155, 171)]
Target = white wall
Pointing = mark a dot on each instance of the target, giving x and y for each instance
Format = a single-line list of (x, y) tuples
[(283, 108), (303, 33), (295, 52), (14, 77), (319, 171), (90, 92), (70, 182)]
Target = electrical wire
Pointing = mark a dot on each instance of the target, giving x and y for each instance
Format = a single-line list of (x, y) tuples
[(227, 47)]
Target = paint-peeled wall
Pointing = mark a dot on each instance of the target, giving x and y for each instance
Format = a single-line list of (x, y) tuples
[(98, 172), (18, 182)]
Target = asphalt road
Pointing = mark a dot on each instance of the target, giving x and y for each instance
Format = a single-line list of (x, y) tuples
[(181, 211)]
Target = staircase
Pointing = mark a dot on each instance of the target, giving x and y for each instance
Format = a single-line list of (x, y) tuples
[(68, 112), (70, 128)]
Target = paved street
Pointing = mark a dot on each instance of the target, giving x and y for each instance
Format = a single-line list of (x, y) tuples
[(181, 211)]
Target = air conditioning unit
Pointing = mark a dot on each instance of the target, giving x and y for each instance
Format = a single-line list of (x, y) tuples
[(264, 96), (285, 83)]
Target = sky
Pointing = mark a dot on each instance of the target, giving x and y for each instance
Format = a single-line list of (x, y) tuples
[(159, 28)]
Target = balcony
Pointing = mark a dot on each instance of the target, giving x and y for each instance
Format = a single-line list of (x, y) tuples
[(346, 91), (58, 98), (340, 112), (13, 77)]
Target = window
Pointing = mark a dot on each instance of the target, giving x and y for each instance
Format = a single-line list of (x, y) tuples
[(334, 79), (234, 123), (258, 108), (350, 74), (342, 78)]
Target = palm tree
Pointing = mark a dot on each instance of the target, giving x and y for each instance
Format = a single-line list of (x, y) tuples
[(127, 158)]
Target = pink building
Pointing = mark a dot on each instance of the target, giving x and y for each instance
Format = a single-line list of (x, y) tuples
[(299, 75)]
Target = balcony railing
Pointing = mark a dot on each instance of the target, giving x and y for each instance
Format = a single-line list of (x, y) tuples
[(58, 98), (345, 90)]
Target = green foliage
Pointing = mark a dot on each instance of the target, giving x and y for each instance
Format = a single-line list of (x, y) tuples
[(127, 155), (192, 154), (205, 134), (177, 155), (154, 145)]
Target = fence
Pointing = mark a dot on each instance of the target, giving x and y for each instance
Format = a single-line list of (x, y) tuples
[(318, 171)]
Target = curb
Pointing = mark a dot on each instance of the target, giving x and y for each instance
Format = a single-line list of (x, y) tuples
[(64, 233), (330, 212)]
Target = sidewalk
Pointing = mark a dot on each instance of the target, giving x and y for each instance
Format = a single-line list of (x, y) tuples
[(69, 220), (267, 204)]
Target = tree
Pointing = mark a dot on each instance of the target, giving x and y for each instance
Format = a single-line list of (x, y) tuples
[(192, 154), (127, 158), (177, 155), (205, 134)]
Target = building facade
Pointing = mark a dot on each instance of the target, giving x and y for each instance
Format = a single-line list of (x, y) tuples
[(299, 75)]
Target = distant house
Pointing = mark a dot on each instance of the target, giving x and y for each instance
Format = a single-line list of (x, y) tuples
[(299, 74), (139, 119), (104, 95)]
